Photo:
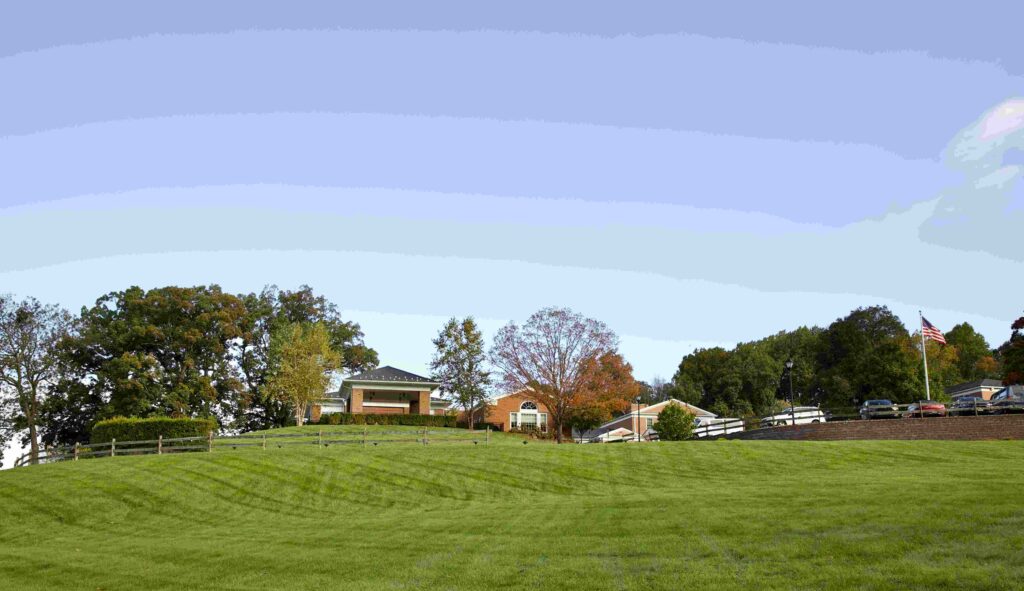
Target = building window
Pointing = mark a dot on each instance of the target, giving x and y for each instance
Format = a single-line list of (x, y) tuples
[(528, 405), (513, 420), (650, 422)]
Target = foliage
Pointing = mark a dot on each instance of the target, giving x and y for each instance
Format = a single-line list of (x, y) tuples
[(548, 356), (458, 364), (943, 366), (606, 391), (302, 363), (29, 332), (975, 360), (674, 423), (869, 354), (266, 313), (1013, 354), (344, 418), (136, 429), (166, 351)]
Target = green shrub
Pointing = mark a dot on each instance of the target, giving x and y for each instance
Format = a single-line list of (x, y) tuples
[(134, 429), (344, 418), (674, 424)]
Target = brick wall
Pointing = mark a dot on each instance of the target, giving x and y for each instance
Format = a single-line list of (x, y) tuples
[(958, 428)]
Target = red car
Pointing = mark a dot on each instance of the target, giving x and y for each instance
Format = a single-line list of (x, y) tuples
[(925, 408)]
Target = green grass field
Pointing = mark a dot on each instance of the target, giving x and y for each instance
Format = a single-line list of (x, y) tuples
[(689, 515)]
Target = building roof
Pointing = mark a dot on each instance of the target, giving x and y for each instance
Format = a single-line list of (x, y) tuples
[(654, 409), (986, 383), (390, 374)]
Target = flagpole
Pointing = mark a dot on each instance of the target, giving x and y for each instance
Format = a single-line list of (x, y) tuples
[(924, 355)]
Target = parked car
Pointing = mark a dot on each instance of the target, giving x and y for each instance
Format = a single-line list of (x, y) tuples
[(713, 426), (879, 409), (925, 408), (1008, 400), (970, 405), (800, 415)]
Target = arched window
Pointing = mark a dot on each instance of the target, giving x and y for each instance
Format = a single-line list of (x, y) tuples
[(528, 405)]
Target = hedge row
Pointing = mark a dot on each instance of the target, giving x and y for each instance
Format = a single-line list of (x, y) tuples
[(133, 429), (345, 418)]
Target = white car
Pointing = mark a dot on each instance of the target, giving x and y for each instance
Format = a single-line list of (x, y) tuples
[(713, 426), (800, 415)]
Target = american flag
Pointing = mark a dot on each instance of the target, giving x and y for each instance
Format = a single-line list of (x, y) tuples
[(929, 330)]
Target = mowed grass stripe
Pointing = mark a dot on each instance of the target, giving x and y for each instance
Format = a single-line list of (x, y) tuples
[(703, 515)]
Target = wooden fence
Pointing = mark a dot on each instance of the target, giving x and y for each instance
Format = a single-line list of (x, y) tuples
[(210, 442)]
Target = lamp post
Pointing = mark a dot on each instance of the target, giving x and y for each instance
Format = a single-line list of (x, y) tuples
[(792, 408), (638, 419)]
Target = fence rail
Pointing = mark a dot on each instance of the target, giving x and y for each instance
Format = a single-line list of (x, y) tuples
[(210, 442)]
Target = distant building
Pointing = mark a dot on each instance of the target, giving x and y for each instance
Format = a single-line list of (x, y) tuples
[(385, 390), (638, 420), (983, 389)]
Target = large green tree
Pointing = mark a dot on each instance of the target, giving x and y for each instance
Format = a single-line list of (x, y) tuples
[(869, 354), (302, 365), (29, 333), (166, 351), (271, 310), (459, 364), (701, 378), (975, 359)]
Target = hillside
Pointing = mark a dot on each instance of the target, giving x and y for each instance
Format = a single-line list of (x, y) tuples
[(695, 515)]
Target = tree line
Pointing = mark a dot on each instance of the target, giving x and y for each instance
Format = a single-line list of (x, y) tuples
[(170, 351), (868, 354), (256, 361)]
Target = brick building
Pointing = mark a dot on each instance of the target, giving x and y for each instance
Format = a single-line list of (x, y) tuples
[(983, 389), (385, 390)]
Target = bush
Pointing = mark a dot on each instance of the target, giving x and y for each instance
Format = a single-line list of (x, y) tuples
[(345, 418), (331, 418), (134, 429), (674, 424)]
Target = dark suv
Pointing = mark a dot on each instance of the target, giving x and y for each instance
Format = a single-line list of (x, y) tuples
[(1008, 400), (879, 409)]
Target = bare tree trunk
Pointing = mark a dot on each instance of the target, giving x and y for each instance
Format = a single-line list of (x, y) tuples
[(300, 414), (472, 416)]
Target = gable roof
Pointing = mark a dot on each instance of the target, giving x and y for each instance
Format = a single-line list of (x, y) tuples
[(390, 374), (986, 383), (654, 409)]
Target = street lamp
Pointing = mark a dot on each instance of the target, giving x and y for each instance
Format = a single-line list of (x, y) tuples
[(789, 370), (638, 419)]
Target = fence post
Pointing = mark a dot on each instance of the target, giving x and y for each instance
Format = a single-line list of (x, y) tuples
[(487, 437), (209, 441), (264, 441), (113, 446), (364, 435), (159, 444), (76, 451), (320, 438), (424, 435)]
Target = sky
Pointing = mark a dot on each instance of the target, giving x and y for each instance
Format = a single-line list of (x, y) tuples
[(691, 175)]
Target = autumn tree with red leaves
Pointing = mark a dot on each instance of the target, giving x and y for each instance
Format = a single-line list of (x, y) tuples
[(607, 391), (551, 357)]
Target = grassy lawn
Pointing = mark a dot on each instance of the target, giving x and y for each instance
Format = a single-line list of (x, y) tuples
[(690, 515)]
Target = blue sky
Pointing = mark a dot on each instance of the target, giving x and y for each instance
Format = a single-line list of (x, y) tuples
[(692, 176)]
